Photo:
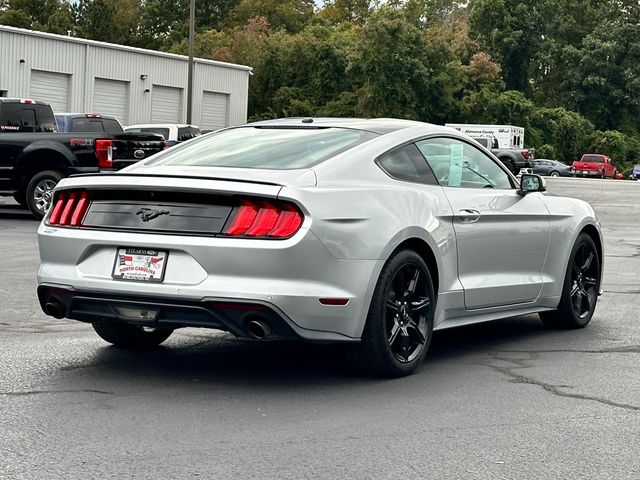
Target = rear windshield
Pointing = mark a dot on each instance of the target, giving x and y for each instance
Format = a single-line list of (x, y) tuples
[(157, 130), (266, 147), (20, 117), (87, 124), (593, 158)]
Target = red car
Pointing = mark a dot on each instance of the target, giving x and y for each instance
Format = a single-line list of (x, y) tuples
[(595, 165)]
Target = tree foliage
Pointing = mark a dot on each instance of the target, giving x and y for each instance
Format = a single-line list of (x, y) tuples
[(569, 71)]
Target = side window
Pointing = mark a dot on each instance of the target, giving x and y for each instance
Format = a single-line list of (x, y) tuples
[(45, 121), (407, 163), (459, 164)]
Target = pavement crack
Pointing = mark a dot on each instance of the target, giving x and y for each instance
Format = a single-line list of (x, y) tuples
[(548, 387), (622, 349), (49, 392)]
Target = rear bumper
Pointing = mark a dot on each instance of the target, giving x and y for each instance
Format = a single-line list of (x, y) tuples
[(231, 316), (288, 277), (588, 173)]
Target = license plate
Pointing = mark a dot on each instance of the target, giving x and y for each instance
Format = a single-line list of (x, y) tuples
[(140, 264)]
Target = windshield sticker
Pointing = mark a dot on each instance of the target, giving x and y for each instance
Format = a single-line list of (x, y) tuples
[(455, 166)]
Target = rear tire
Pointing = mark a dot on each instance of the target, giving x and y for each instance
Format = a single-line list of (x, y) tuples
[(580, 290), (39, 193), (130, 336), (554, 174), (399, 324)]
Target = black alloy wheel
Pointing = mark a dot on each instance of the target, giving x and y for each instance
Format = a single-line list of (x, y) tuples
[(408, 300), (584, 280), (400, 321), (581, 287)]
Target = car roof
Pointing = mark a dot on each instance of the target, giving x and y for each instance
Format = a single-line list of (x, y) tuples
[(19, 100), (376, 125), (82, 114)]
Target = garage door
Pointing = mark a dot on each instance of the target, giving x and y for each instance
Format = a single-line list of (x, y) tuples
[(166, 105), (111, 97), (50, 87), (215, 108)]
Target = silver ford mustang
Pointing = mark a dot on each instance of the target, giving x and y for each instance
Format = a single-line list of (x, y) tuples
[(371, 231)]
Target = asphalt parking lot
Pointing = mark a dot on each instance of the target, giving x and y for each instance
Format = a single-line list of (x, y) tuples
[(507, 400)]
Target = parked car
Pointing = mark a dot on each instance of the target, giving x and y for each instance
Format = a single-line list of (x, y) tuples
[(34, 155), (635, 173), (318, 230), (172, 133), (552, 168), (595, 165)]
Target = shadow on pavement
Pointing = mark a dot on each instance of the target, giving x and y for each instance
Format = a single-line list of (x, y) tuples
[(14, 211), (224, 359)]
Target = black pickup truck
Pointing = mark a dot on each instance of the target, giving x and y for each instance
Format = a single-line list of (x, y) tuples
[(513, 158), (34, 155)]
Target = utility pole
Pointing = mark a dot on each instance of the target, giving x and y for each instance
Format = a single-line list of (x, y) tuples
[(192, 21)]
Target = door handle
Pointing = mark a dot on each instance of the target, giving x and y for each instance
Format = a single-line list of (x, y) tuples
[(468, 215)]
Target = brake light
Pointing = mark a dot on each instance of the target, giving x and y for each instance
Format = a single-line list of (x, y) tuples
[(525, 154), (69, 209), (264, 220), (104, 151), (27, 101), (93, 115)]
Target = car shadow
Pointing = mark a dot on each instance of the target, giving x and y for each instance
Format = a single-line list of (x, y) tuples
[(13, 211), (223, 359)]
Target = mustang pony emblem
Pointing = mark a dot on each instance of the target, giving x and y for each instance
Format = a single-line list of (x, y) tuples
[(149, 213)]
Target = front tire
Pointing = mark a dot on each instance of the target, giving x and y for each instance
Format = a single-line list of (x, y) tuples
[(581, 287), (554, 174), (399, 324), (40, 191), (131, 336)]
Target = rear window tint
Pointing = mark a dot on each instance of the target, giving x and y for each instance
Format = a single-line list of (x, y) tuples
[(266, 147), (593, 158), (19, 117), (82, 124)]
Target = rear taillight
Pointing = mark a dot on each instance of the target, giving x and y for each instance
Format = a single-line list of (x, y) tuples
[(104, 151), (264, 219), (69, 209), (525, 154)]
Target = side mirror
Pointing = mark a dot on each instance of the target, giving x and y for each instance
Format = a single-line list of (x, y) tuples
[(531, 183)]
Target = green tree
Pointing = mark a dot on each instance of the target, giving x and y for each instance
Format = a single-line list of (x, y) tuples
[(289, 15), (511, 31), (345, 11), (388, 67), (54, 16), (567, 132), (114, 21)]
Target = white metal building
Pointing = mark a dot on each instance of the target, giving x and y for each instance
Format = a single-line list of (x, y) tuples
[(133, 84)]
